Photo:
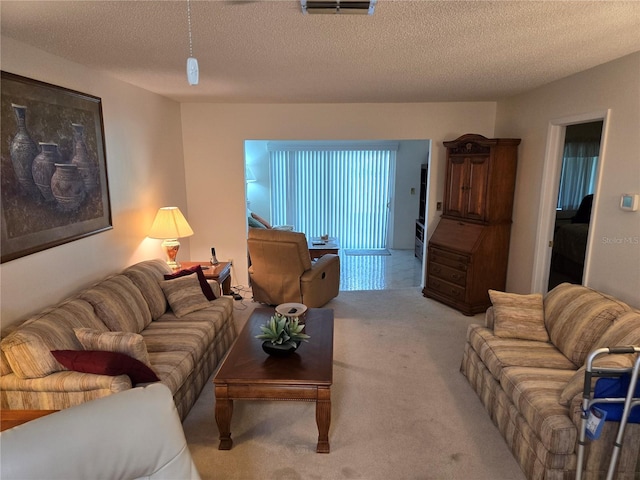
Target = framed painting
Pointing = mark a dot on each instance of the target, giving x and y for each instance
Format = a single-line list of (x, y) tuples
[(53, 170)]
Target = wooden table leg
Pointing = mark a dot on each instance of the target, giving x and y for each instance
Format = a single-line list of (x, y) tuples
[(323, 418), (226, 286), (223, 412)]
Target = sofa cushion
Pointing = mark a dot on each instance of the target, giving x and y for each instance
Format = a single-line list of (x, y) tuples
[(535, 393), (5, 368), (186, 336), (253, 223), (28, 349), (173, 368), (577, 316), (147, 276), (184, 295), (497, 353), (575, 386), (101, 362), (217, 314), (128, 343), (119, 304), (197, 269), (264, 223), (624, 331), (518, 316)]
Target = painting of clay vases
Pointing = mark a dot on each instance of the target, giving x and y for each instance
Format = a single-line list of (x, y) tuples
[(87, 166), (22, 152), (67, 186), (44, 167)]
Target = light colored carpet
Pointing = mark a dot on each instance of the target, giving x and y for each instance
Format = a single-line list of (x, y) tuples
[(400, 407)]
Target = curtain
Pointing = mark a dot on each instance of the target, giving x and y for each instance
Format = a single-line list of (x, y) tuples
[(578, 177), (341, 192)]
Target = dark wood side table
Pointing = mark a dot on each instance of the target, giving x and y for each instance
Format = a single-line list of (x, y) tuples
[(13, 418), (318, 247), (221, 273)]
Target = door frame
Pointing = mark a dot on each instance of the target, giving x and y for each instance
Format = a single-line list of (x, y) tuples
[(549, 195)]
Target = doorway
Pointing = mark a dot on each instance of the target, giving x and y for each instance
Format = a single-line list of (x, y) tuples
[(578, 177), (550, 189)]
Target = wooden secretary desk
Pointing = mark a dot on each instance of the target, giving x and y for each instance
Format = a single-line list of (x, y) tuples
[(468, 252)]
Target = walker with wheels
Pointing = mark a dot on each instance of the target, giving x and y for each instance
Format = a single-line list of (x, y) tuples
[(615, 396)]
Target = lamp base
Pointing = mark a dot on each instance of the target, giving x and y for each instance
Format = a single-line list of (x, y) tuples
[(171, 247)]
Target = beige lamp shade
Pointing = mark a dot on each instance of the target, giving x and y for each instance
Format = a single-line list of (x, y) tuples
[(169, 225)]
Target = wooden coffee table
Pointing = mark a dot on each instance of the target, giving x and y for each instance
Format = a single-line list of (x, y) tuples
[(247, 373)]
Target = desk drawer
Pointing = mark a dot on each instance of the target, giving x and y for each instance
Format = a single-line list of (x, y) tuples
[(450, 290), (453, 275), (450, 259)]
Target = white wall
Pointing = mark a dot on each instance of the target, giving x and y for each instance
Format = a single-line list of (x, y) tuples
[(614, 234), (411, 155), (143, 141), (214, 135)]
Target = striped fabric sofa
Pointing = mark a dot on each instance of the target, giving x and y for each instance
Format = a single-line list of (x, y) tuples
[(127, 313), (532, 386)]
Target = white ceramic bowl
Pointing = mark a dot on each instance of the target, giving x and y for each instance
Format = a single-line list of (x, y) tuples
[(291, 309)]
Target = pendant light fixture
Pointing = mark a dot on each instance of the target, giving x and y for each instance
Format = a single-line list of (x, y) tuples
[(192, 62)]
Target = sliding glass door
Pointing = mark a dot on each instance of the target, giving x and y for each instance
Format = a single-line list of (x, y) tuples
[(335, 190)]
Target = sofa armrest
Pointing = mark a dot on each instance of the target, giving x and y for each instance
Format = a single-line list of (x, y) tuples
[(489, 318), (215, 286), (65, 381), (58, 390)]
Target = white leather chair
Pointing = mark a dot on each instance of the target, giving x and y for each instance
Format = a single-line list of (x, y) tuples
[(129, 435)]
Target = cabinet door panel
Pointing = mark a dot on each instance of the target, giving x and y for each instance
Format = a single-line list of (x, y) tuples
[(455, 188), (477, 188)]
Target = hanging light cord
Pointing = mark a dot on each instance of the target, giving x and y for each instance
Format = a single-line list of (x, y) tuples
[(189, 22)]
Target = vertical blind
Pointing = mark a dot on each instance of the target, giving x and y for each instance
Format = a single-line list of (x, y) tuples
[(578, 176), (344, 193)]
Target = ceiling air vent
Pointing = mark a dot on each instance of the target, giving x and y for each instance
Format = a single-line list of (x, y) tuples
[(352, 7)]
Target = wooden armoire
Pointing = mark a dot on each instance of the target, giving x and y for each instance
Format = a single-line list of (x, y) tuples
[(469, 250)]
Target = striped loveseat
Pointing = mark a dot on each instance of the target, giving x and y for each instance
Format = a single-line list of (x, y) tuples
[(527, 366), (124, 314)]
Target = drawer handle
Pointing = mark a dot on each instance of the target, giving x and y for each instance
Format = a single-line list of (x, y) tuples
[(455, 276), (455, 293), (436, 269)]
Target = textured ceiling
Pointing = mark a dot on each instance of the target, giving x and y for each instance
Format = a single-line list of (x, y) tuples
[(268, 51)]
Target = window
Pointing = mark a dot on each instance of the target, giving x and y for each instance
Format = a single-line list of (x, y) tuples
[(338, 189), (579, 167), (579, 164)]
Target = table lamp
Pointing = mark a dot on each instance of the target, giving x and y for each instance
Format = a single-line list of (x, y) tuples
[(169, 225)]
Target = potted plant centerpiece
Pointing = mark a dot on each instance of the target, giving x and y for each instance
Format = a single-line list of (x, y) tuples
[(282, 335)]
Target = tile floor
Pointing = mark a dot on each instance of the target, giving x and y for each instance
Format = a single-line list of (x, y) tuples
[(401, 269)]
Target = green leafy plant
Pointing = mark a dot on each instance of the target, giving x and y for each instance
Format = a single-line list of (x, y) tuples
[(281, 330)]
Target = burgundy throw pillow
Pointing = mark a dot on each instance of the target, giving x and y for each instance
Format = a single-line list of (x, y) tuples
[(204, 285), (105, 363)]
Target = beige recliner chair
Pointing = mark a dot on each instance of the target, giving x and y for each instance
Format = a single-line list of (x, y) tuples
[(281, 270)]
